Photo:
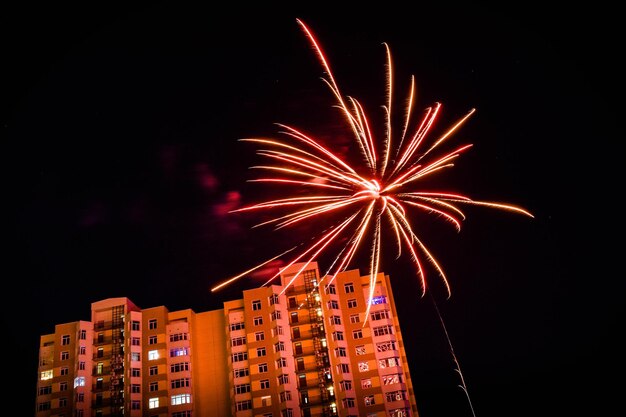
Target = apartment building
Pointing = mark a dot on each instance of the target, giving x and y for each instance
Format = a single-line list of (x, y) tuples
[(301, 348)]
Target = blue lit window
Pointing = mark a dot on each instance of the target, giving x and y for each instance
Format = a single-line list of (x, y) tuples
[(381, 299)]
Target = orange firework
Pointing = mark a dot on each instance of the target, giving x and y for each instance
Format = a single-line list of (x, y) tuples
[(378, 195)]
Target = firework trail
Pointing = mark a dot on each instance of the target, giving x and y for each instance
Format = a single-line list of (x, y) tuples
[(368, 201)]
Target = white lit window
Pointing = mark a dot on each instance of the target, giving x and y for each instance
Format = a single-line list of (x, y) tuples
[(181, 399), (363, 367), (153, 355), (135, 356), (366, 383), (153, 403), (360, 350), (369, 400)]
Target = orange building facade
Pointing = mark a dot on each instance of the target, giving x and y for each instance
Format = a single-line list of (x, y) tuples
[(302, 348)]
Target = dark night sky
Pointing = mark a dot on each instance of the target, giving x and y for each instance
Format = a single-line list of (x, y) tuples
[(120, 128)]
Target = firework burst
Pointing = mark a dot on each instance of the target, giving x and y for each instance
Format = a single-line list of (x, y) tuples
[(369, 201)]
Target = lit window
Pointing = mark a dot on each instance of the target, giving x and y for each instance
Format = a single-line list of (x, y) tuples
[(363, 367), (65, 339), (385, 346), (180, 351), (352, 303), (135, 356), (65, 355), (366, 383), (354, 318), (392, 379), (99, 368), (399, 412), (265, 383), (256, 305), (181, 399), (369, 400), (152, 340), (360, 350), (261, 351), (153, 355), (381, 299), (395, 396), (258, 321), (266, 401), (153, 403), (349, 287)]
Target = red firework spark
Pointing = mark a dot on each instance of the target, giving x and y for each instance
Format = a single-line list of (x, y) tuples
[(378, 195)]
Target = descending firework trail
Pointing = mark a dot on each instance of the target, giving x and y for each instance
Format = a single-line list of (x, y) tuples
[(370, 200)]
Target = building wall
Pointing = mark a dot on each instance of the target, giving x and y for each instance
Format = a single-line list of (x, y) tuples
[(302, 348)]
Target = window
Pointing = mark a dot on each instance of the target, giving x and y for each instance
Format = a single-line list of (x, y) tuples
[(287, 412), (154, 370), (265, 383), (63, 402), (256, 305), (244, 405), (65, 339), (343, 368), (80, 397), (357, 334), (81, 366), (349, 287), (392, 379), (379, 315), (300, 364), (100, 337), (237, 326), (99, 368), (369, 400), (153, 403), (135, 389), (273, 299), (240, 356), (385, 346), (259, 336), (278, 330), (366, 383), (152, 324), (186, 413), (135, 341), (337, 336), (65, 370), (135, 405), (181, 399), (100, 352), (137, 372), (333, 304), (258, 321), (45, 390), (276, 315), (65, 355), (135, 356), (279, 347), (399, 412), (134, 325), (395, 396), (154, 386), (241, 372), (83, 335), (99, 324), (262, 368), (340, 352), (180, 351), (43, 406), (242, 388), (238, 341), (82, 350), (281, 363), (348, 402), (354, 318), (153, 355), (297, 348), (360, 350), (152, 340), (285, 396), (364, 366), (63, 386), (294, 317), (335, 320), (381, 299), (345, 385), (330, 289), (352, 303), (179, 367), (261, 351), (383, 330), (283, 379), (296, 333), (46, 375), (80, 413)]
